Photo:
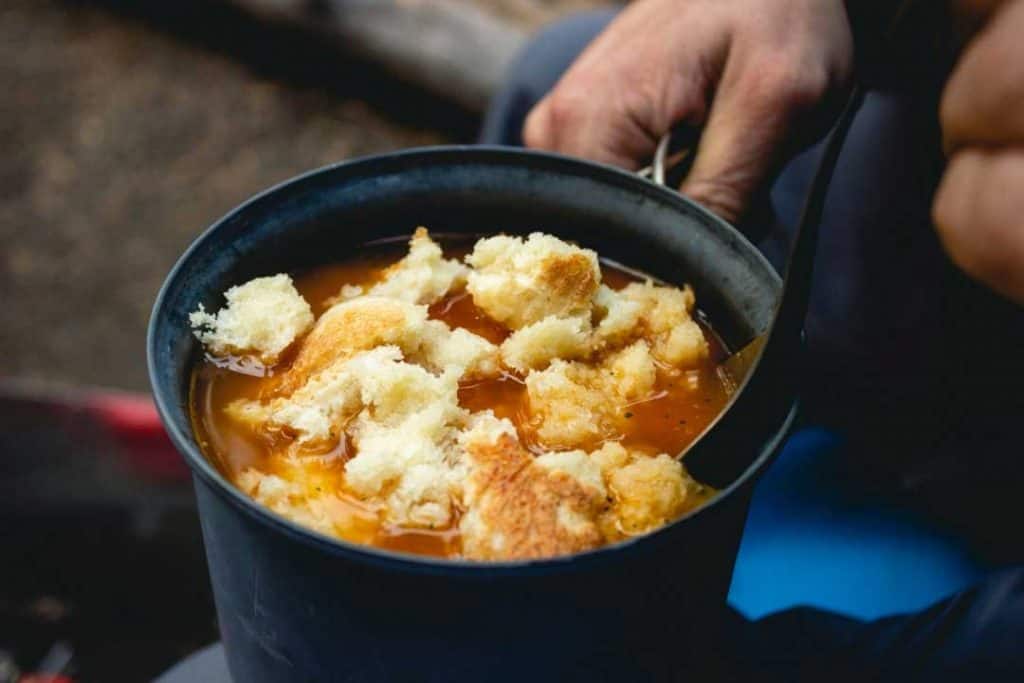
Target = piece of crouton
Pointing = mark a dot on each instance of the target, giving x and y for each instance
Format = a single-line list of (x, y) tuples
[(408, 465), (661, 315), (519, 282), (567, 407), (262, 318), (535, 346), (371, 321), (442, 348), (519, 509), (648, 492), (574, 404), (423, 276), (316, 412), (620, 317), (630, 372), (348, 328)]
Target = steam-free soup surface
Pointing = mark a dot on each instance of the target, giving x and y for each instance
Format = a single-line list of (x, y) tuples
[(663, 421)]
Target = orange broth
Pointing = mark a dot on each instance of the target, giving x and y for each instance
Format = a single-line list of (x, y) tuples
[(683, 403)]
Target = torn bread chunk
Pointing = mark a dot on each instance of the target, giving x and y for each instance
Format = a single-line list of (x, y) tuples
[(630, 373), (574, 405), (365, 435), (394, 391), (347, 328), (533, 347), (520, 282), (404, 441), (408, 464), (316, 412), (262, 318), (519, 507), (442, 348), (381, 372), (661, 315), (379, 379), (287, 498), (576, 464), (647, 491), (567, 407), (304, 494), (402, 420), (371, 321), (620, 316), (423, 276)]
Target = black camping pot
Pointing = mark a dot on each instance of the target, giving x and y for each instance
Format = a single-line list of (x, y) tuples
[(296, 606)]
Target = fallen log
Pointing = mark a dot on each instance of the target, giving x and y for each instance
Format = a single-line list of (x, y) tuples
[(448, 47)]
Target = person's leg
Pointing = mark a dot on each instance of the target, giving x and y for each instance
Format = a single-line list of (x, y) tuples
[(972, 636), (535, 72), (880, 205)]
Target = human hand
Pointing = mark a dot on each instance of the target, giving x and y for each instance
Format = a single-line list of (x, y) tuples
[(979, 208), (747, 71)]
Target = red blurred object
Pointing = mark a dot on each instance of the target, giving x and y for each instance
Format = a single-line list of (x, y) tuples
[(67, 426), (133, 422), (45, 678)]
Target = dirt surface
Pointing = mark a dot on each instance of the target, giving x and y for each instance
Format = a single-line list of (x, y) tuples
[(121, 143), (129, 126)]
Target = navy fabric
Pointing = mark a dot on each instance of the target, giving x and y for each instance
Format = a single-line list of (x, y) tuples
[(535, 72), (914, 503), (816, 537), (973, 636)]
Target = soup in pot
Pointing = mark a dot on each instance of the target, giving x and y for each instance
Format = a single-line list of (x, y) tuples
[(516, 400)]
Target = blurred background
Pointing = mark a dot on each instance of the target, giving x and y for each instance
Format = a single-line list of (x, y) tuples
[(127, 127)]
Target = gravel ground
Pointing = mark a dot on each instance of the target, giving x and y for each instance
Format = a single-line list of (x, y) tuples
[(122, 142), (129, 126)]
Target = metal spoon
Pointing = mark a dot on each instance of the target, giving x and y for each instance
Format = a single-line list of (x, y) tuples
[(766, 367)]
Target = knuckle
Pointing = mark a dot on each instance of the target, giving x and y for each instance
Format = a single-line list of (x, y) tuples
[(813, 84), (792, 81), (566, 107), (536, 130), (718, 195), (555, 117), (639, 105)]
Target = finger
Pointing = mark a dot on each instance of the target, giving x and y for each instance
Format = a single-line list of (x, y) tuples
[(979, 214), (627, 89), (562, 122), (984, 97), (746, 130), (618, 125), (537, 132)]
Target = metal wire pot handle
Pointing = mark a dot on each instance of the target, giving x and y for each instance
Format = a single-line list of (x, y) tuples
[(673, 155)]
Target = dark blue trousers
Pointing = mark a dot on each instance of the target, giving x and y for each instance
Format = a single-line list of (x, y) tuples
[(900, 361)]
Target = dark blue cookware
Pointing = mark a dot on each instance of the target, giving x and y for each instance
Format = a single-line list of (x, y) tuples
[(296, 606)]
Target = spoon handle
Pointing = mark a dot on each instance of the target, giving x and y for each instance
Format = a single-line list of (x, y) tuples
[(767, 393), (787, 327)]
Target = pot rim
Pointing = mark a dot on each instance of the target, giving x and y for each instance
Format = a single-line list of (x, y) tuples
[(408, 562)]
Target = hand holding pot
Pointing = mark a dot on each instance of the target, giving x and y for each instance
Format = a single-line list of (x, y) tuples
[(746, 71)]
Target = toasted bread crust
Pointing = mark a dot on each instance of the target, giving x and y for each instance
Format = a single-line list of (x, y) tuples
[(368, 407), (518, 508)]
